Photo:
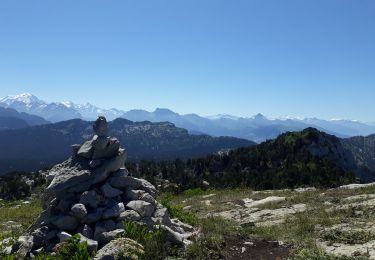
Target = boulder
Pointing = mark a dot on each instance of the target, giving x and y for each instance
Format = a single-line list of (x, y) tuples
[(105, 237), (143, 208), (110, 149), (79, 210), (109, 225), (86, 150), (68, 176), (23, 246), (64, 204), (135, 183), (100, 126), (91, 198), (124, 246), (129, 215), (95, 163), (161, 216), (92, 245), (99, 229), (185, 227), (120, 225), (123, 172), (133, 194), (109, 166), (93, 217), (75, 149), (40, 236), (172, 236), (110, 192), (65, 222), (77, 177), (114, 212), (148, 198), (87, 231), (51, 234)]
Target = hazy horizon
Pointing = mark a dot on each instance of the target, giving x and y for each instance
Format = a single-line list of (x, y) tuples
[(289, 58)]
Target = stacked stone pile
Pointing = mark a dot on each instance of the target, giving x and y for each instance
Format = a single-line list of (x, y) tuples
[(92, 195)]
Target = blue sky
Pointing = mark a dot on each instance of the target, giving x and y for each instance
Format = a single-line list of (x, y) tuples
[(298, 58)]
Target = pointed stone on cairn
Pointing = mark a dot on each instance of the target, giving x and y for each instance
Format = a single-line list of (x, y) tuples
[(93, 195)]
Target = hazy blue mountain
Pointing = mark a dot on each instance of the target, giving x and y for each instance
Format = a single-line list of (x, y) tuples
[(343, 127), (11, 119), (35, 147), (257, 128), (12, 123), (363, 151)]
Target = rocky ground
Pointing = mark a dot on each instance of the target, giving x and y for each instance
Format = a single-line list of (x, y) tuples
[(284, 224), (296, 224)]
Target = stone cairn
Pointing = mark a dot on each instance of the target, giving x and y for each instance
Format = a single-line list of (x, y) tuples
[(92, 194)]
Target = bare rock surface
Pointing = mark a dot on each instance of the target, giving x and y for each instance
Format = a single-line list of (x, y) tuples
[(258, 217), (119, 246), (249, 203), (357, 186)]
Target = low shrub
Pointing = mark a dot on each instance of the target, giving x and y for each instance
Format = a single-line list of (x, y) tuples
[(348, 237), (152, 239), (175, 211)]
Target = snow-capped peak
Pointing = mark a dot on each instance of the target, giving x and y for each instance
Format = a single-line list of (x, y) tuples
[(26, 98), (68, 104), (23, 97), (223, 116)]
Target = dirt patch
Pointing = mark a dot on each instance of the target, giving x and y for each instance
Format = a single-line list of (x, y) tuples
[(238, 249)]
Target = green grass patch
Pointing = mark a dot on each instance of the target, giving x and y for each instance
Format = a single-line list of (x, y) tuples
[(152, 239), (176, 210), (347, 237)]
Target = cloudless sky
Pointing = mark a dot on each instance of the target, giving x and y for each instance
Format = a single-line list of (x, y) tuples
[(293, 57)]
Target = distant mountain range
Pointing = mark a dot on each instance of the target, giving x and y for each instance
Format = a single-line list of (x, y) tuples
[(56, 111), (39, 146), (257, 128)]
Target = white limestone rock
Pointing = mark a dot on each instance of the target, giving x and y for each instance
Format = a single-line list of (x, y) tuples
[(129, 215), (143, 208)]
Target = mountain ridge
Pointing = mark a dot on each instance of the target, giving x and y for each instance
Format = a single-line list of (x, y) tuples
[(48, 144), (257, 128), (11, 119)]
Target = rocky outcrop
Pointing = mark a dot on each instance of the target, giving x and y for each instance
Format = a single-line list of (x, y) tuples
[(249, 211), (92, 194)]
